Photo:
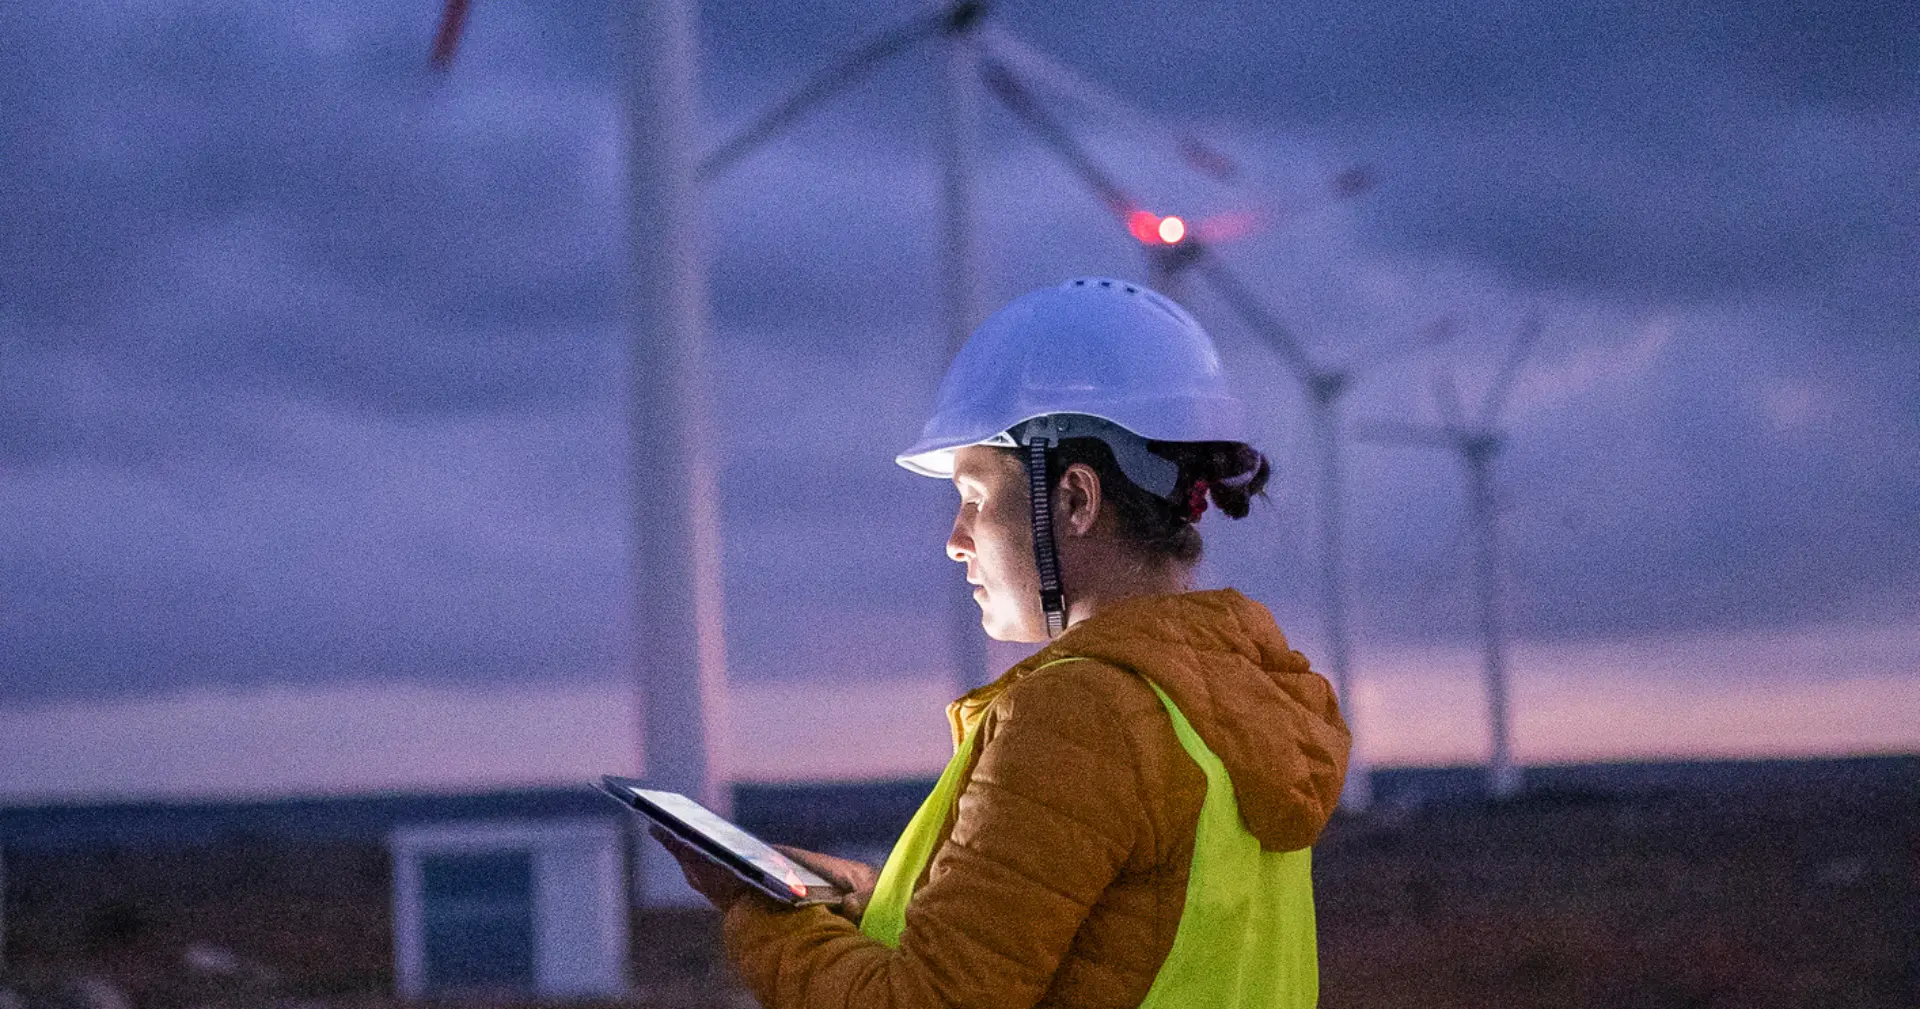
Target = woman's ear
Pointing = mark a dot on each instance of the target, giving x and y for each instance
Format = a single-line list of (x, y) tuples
[(1077, 500)]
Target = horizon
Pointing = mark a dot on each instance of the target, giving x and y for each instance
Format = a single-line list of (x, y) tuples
[(370, 738)]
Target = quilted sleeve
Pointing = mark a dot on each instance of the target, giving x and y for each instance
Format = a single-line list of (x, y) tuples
[(1048, 817)]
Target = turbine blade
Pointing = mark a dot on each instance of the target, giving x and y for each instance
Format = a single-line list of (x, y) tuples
[(1353, 181), (1207, 159), (1063, 82), (1232, 225), (446, 40), (1523, 344), (833, 80), (1393, 432), (1019, 99), (1265, 325), (1447, 395), (1383, 352), (1274, 213)]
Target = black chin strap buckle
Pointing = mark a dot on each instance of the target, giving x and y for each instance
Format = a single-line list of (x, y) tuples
[(1053, 599)]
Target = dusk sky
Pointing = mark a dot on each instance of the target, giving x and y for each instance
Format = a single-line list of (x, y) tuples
[(311, 369)]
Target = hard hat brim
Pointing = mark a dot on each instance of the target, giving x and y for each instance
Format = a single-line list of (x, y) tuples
[(934, 456), (1186, 419)]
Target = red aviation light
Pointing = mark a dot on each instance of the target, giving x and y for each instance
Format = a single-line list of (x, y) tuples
[(1152, 229), (1145, 226)]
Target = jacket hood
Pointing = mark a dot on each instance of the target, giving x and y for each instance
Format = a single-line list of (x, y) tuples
[(1254, 701)]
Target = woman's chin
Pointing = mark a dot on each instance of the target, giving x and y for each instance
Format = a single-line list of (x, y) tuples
[(1015, 632), (1002, 626)]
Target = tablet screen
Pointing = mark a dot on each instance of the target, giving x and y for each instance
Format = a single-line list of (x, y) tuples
[(750, 848)]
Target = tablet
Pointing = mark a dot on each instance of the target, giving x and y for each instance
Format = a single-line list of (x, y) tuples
[(754, 861)]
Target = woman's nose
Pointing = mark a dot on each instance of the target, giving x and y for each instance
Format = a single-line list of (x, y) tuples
[(960, 540)]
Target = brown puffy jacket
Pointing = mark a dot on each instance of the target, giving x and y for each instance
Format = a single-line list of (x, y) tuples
[(1063, 873)]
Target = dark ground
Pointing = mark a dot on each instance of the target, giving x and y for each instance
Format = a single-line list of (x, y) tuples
[(1699, 886), (1743, 886)]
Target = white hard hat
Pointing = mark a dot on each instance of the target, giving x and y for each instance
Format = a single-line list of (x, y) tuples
[(1092, 358), (1094, 346)]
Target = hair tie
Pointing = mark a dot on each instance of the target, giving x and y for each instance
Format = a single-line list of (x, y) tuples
[(1196, 500)]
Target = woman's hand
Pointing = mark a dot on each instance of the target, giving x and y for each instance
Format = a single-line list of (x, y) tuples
[(853, 879), (720, 887)]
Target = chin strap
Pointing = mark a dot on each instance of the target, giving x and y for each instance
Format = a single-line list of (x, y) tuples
[(1039, 437), (1035, 437)]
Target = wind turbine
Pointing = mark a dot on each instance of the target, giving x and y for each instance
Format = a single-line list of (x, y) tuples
[(679, 615), (679, 611), (955, 26), (1174, 247), (1325, 386), (1478, 443), (977, 52), (1016, 75)]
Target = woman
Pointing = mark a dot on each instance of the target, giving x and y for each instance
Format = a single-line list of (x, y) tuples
[(1126, 817)]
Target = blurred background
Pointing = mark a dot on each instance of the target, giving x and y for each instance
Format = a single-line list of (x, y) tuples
[(317, 590)]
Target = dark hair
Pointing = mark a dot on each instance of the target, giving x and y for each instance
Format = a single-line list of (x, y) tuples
[(1233, 473)]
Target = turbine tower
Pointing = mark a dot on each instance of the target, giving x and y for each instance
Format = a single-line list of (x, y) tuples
[(960, 271), (955, 27), (680, 619), (1477, 443)]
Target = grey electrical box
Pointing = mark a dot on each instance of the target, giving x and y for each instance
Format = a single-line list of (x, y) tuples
[(510, 909)]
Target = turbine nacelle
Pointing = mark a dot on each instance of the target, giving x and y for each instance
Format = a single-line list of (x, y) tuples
[(1327, 386), (1481, 446), (1150, 229)]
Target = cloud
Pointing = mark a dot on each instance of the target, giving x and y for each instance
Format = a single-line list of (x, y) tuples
[(311, 367), (227, 198), (369, 549), (1765, 206)]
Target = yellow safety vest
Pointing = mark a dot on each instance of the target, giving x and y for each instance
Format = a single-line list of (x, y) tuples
[(1246, 936)]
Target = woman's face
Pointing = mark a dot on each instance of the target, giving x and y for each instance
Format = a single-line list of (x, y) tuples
[(993, 536)]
